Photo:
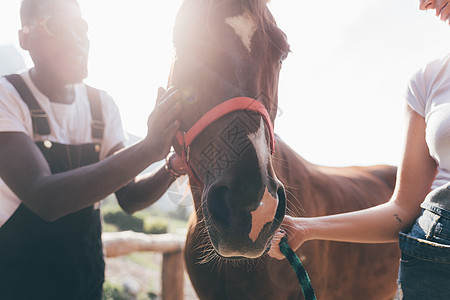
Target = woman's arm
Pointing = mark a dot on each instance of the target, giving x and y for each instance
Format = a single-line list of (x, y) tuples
[(380, 223)]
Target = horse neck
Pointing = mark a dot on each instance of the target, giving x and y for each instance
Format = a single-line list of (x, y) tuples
[(297, 175), (311, 190)]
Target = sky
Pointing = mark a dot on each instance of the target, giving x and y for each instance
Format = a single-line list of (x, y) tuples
[(340, 91)]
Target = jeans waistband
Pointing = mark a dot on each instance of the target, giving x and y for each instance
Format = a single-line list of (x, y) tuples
[(429, 238), (424, 249)]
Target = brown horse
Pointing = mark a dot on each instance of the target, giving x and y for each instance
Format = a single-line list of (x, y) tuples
[(242, 185)]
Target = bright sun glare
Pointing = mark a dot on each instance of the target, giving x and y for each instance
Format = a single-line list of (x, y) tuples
[(340, 89)]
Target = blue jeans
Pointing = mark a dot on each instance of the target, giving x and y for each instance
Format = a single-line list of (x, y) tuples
[(425, 263)]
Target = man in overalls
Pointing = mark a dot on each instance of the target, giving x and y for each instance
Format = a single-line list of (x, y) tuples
[(59, 156)]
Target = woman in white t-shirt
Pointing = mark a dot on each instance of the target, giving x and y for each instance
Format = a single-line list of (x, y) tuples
[(420, 207)]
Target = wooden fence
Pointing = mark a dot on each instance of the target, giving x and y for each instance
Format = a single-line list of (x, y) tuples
[(170, 245)]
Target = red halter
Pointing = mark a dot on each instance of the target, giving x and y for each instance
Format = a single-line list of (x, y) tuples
[(185, 139)]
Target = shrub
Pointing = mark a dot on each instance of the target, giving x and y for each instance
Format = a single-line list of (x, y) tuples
[(113, 291), (157, 226), (123, 221)]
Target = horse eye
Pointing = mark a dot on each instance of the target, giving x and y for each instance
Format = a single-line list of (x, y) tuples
[(283, 57)]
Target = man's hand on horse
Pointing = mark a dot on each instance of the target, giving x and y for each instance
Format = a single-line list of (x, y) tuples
[(163, 122)]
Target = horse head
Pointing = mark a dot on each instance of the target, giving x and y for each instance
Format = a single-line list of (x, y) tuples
[(228, 56)]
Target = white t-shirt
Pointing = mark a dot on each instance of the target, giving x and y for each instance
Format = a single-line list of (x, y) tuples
[(428, 94), (69, 124)]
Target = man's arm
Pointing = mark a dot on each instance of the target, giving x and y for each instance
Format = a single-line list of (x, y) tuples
[(146, 189), (51, 196)]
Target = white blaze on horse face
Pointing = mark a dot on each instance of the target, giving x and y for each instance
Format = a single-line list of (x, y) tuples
[(259, 142), (267, 208), (264, 214), (244, 26)]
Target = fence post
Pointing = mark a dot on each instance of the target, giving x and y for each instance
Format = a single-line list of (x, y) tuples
[(171, 246), (173, 276)]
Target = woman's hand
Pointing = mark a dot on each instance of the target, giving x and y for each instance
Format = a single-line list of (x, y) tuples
[(163, 123), (295, 233)]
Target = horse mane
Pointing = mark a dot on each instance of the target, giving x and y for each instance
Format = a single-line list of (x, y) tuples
[(258, 9)]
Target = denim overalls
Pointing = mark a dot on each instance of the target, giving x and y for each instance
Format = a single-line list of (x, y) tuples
[(60, 260), (425, 264)]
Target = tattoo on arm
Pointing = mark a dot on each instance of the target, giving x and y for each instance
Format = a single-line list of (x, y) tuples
[(398, 218)]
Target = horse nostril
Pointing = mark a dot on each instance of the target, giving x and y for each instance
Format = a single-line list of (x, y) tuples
[(218, 198)]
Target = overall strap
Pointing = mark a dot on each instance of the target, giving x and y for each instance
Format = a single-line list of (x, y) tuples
[(97, 125), (38, 116)]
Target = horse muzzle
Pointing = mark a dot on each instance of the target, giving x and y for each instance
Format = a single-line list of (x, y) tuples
[(237, 230)]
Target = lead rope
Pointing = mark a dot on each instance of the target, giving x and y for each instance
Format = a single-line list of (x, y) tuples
[(300, 271)]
